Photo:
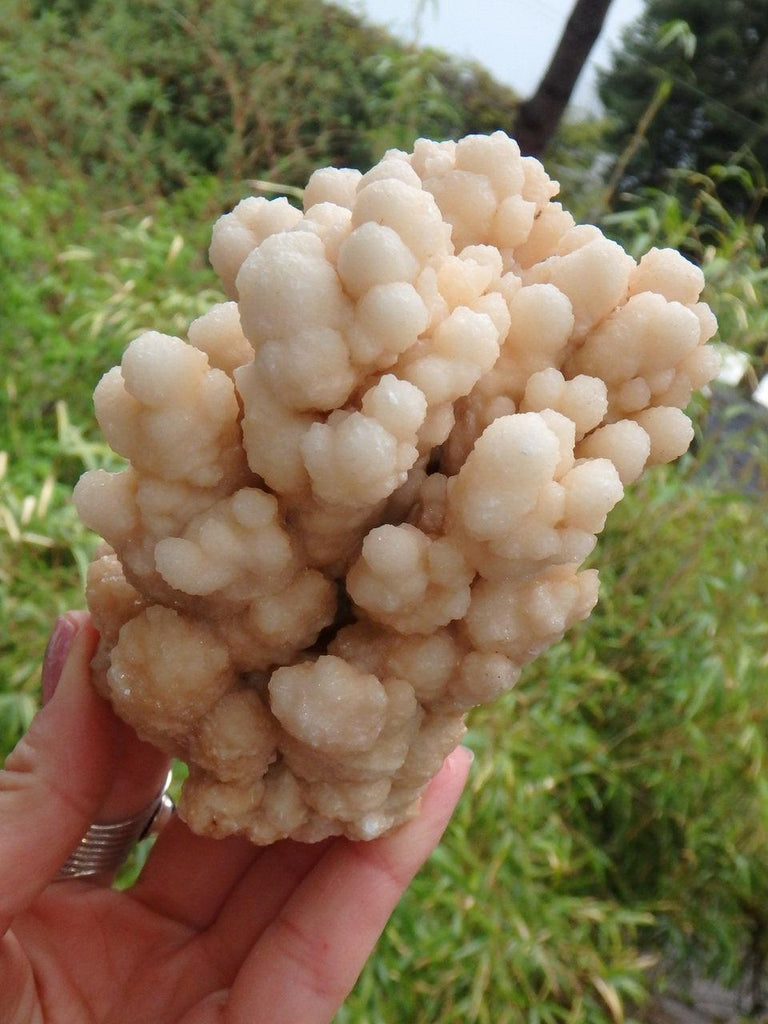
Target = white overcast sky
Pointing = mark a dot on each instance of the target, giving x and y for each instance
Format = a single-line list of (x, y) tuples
[(514, 39)]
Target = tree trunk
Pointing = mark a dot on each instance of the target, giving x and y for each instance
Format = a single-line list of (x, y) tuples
[(539, 116)]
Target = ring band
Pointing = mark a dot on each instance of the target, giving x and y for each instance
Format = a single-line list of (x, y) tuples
[(103, 848)]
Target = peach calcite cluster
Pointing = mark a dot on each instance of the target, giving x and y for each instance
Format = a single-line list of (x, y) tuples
[(359, 494)]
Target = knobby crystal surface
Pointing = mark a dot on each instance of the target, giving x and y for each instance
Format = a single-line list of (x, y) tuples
[(360, 493)]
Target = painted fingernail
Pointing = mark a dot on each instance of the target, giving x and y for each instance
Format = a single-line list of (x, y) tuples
[(56, 654)]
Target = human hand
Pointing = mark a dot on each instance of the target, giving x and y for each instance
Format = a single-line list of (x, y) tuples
[(214, 931)]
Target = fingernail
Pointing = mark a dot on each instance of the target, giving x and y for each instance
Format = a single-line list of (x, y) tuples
[(461, 757), (56, 653)]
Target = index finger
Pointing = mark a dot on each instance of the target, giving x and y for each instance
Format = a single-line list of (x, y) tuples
[(307, 961)]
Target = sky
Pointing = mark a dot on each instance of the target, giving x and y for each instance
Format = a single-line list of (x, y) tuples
[(514, 39)]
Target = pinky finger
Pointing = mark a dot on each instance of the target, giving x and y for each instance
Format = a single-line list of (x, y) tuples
[(307, 961)]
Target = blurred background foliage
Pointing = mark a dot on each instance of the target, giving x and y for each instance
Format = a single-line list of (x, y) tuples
[(701, 72), (615, 831), (146, 98)]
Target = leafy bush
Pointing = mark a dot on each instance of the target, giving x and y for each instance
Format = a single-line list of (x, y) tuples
[(679, 808), (153, 94), (688, 89)]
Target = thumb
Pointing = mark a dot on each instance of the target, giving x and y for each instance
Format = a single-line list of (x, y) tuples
[(56, 778)]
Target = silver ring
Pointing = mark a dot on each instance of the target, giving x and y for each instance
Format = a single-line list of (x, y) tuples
[(103, 848)]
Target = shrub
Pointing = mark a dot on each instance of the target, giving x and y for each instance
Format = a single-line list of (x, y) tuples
[(150, 95)]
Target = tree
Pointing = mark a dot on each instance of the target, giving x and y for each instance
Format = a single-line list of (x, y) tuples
[(539, 116), (710, 64)]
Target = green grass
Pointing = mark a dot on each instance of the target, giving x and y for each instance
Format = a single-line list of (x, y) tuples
[(618, 804), (76, 289)]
